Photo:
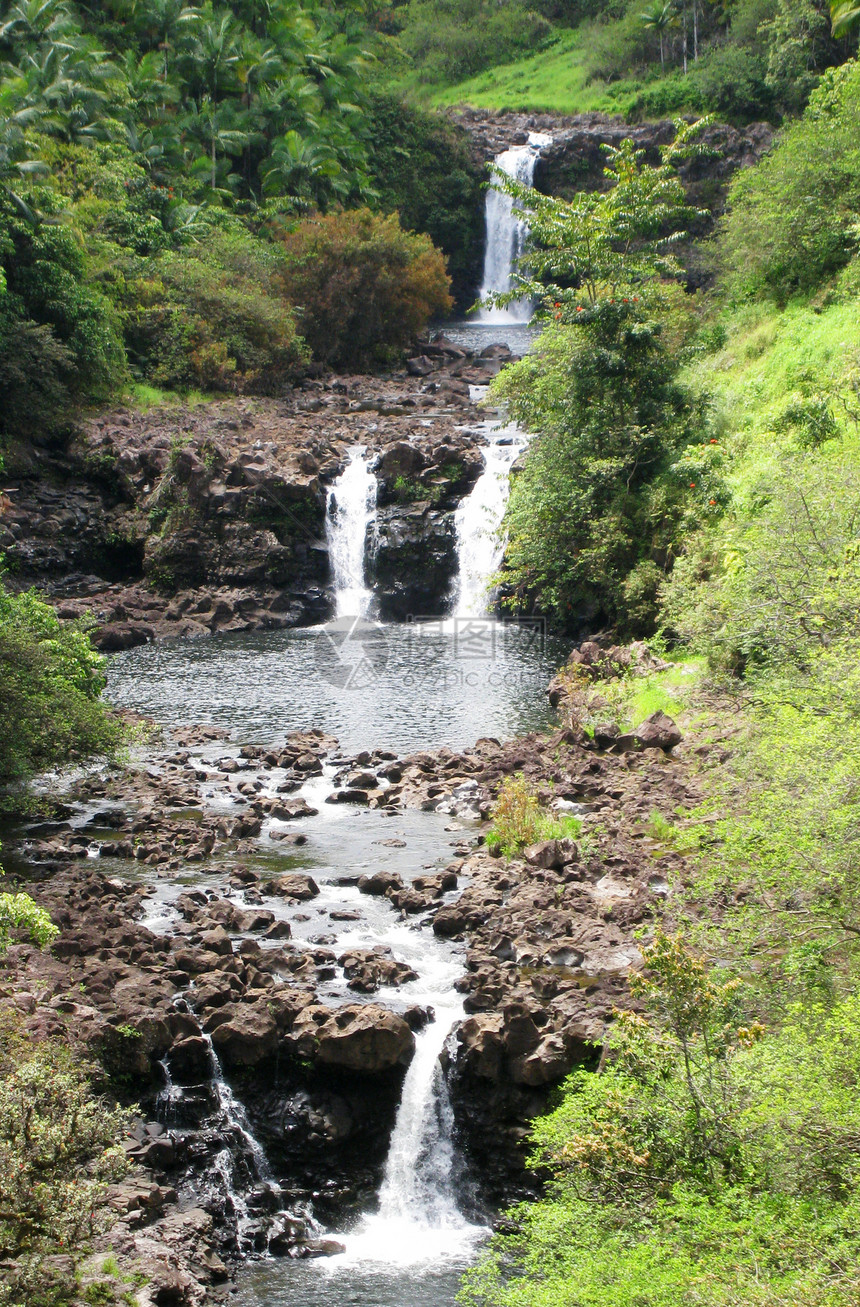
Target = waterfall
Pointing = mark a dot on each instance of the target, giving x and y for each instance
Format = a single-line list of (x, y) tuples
[(507, 231), (480, 547), (350, 514)]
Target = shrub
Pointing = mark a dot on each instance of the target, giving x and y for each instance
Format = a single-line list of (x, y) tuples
[(35, 376), (50, 681), (213, 317), (59, 1149), (518, 820), (45, 276), (791, 221), (363, 286)]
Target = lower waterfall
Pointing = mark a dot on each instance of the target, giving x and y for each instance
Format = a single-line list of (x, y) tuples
[(479, 545)]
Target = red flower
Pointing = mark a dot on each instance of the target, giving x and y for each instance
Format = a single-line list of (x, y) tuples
[(712, 501), (580, 310), (692, 485)]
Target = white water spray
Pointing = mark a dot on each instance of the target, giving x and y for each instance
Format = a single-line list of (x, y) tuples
[(507, 231), (350, 516), (480, 547), (419, 1219)]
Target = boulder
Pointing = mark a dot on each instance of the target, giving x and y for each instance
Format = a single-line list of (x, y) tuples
[(295, 886), (657, 732), (248, 1035), (365, 1038)]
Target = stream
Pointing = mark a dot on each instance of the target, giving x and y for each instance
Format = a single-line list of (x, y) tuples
[(399, 687)]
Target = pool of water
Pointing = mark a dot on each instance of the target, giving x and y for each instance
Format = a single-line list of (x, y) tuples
[(518, 336), (402, 687), (325, 1284)]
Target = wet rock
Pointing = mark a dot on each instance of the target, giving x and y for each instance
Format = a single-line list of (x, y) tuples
[(295, 886), (367, 1039), (247, 1036)]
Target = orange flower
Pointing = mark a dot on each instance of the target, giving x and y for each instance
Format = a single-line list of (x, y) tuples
[(692, 485)]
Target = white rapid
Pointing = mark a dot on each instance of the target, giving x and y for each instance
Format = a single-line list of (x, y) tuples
[(479, 545), (507, 231), (350, 514), (419, 1219)]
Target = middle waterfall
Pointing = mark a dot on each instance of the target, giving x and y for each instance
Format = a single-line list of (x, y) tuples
[(350, 516), (507, 231)]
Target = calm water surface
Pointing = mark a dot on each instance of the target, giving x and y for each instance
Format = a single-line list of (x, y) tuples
[(402, 687)]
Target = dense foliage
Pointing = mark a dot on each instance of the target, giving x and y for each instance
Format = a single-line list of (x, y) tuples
[(594, 513), (749, 60), (793, 220), (59, 1149), (152, 155), (50, 681), (715, 1159), (363, 286), (621, 444)]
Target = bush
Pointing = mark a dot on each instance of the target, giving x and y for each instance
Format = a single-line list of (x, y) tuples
[(711, 1162), (518, 820), (59, 1149), (45, 276), (213, 317), (50, 681), (363, 286), (791, 221)]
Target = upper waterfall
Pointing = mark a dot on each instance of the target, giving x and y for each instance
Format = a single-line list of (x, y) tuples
[(507, 230), (350, 514)]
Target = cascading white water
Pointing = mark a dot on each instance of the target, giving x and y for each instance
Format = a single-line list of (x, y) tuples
[(479, 545), (350, 514), (507, 231), (419, 1219)]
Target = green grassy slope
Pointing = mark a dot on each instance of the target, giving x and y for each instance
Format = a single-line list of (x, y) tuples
[(551, 81)]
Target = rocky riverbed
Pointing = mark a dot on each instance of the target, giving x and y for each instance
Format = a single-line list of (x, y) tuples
[(199, 961)]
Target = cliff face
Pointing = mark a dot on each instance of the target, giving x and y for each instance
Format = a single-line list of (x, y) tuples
[(575, 161), (187, 521)]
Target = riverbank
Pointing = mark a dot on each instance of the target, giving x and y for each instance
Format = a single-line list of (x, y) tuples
[(225, 919)]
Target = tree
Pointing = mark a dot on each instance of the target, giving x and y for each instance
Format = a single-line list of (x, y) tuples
[(844, 16), (50, 682), (659, 18)]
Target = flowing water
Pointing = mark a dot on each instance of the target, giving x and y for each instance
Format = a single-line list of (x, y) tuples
[(402, 687), (479, 516), (350, 516), (507, 231)]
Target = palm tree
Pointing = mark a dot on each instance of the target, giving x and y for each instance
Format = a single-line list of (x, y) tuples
[(659, 17), (844, 16), (14, 165), (302, 168)]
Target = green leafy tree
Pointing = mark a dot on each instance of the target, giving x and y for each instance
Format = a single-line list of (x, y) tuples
[(604, 242), (594, 513), (49, 690)]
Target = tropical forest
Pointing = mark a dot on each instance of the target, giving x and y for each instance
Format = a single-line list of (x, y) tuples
[(429, 653)]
